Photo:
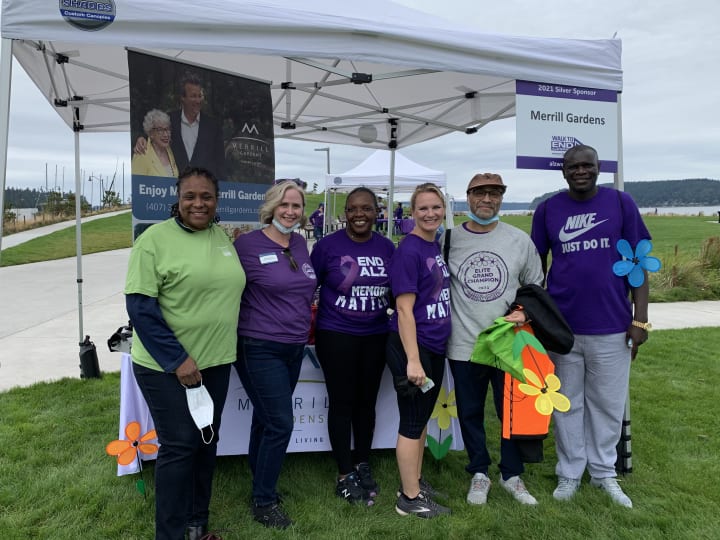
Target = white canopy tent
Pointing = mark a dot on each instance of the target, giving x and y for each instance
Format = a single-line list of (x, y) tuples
[(369, 73), (386, 173), (374, 173)]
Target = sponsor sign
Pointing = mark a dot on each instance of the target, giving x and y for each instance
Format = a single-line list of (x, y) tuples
[(551, 118)]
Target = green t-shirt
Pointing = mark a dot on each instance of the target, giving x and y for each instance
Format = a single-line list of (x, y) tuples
[(198, 281)]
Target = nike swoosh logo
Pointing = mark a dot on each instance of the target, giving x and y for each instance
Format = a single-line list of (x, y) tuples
[(566, 237)]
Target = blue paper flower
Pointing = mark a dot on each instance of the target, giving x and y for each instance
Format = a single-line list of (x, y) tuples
[(634, 264)]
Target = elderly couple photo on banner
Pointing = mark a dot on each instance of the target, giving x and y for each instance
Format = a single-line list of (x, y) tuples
[(183, 114)]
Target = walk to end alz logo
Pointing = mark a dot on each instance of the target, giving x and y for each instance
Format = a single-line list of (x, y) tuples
[(559, 144), (88, 15)]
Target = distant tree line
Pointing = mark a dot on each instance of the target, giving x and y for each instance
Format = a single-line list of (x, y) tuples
[(660, 193), (54, 202), (25, 198)]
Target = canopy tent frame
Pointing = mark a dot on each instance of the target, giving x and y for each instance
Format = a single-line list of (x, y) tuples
[(407, 76)]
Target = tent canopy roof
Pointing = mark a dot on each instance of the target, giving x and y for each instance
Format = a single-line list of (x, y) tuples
[(399, 74), (374, 173)]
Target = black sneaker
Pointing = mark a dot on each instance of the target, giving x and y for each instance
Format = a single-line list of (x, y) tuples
[(367, 482), (426, 489), (429, 491), (421, 506), (271, 515), (349, 488)]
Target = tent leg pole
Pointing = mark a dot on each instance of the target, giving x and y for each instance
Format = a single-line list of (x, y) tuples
[(78, 226), (390, 199), (89, 366), (5, 80), (619, 179)]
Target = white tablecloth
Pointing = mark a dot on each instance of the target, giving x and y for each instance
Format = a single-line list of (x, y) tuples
[(310, 405)]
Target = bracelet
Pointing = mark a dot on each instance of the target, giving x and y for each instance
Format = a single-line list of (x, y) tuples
[(644, 325)]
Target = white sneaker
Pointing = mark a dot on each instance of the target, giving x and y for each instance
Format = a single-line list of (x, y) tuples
[(611, 486), (479, 487), (566, 488), (516, 487)]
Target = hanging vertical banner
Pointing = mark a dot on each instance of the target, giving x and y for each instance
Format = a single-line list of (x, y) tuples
[(551, 118), (182, 114)]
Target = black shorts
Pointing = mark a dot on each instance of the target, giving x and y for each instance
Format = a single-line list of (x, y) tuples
[(415, 410)]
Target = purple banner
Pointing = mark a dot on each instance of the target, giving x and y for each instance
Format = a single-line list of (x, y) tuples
[(529, 88), (552, 163)]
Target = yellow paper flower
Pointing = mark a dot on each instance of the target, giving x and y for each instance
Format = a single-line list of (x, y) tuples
[(547, 394), (444, 408)]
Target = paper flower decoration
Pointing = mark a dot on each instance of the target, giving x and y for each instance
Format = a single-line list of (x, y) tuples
[(548, 397), (126, 450), (633, 265), (445, 408)]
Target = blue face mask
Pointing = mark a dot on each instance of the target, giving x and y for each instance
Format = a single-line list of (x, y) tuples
[(481, 221), (283, 229)]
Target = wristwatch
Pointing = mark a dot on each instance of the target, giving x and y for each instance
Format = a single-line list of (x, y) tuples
[(644, 325)]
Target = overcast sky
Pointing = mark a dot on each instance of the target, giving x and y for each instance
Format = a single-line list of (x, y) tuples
[(671, 103)]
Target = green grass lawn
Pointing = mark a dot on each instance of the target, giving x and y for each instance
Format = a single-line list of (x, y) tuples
[(105, 234), (58, 483)]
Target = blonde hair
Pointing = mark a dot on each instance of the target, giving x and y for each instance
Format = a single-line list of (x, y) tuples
[(427, 187), (273, 199)]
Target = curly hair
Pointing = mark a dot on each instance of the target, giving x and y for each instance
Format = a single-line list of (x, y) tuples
[(187, 172), (155, 118)]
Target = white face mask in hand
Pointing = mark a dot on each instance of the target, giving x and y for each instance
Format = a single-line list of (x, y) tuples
[(201, 408)]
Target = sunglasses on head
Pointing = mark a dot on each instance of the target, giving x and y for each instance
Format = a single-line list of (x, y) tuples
[(296, 181)]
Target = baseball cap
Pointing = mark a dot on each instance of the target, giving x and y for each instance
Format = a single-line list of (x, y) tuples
[(487, 179)]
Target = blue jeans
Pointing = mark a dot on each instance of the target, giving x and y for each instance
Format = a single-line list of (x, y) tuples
[(185, 464), (471, 386), (269, 372)]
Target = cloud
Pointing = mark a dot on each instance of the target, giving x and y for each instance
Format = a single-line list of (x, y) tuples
[(670, 102)]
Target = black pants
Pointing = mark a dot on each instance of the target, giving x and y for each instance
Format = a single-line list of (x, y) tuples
[(185, 464), (353, 367)]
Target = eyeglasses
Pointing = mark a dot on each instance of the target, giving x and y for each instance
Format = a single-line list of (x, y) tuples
[(296, 181), (480, 192), (161, 129), (291, 259)]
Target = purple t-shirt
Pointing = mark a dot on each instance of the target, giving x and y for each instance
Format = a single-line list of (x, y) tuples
[(354, 283), (582, 237), (276, 302), (418, 267)]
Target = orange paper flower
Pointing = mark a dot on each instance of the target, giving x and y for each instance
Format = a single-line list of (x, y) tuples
[(125, 450)]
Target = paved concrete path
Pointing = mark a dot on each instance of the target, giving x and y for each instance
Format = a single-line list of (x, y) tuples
[(39, 322)]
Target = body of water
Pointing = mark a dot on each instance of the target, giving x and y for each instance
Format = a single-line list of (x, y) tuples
[(710, 211)]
